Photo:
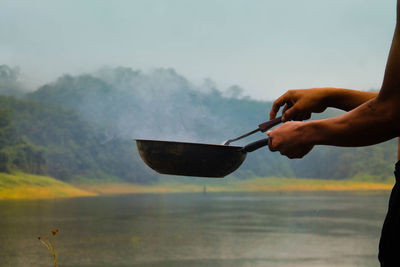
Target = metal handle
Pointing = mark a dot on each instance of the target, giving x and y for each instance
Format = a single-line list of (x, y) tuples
[(261, 127), (269, 124), (255, 145)]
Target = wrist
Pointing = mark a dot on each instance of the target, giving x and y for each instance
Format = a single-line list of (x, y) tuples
[(312, 132), (329, 96)]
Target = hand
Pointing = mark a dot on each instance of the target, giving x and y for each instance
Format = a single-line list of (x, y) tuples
[(299, 104), (290, 140)]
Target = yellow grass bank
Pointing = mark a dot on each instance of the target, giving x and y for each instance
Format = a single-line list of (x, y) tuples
[(29, 186), (298, 184), (233, 185)]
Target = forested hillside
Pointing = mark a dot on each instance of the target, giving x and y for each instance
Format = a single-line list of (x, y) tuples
[(66, 147), (83, 127), (16, 151)]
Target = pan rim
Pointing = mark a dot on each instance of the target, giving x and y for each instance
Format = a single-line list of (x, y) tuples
[(189, 143)]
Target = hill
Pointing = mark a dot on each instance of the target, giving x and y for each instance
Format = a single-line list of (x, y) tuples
[(164, 105), (80, 128), (45, 139)]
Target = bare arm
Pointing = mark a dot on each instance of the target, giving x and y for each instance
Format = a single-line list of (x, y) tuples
[(371, 123), (346, 99), (300, 103), (375, 121)]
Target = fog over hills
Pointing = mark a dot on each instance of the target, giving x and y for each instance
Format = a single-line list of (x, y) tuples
[(120, 104), (157, 105)]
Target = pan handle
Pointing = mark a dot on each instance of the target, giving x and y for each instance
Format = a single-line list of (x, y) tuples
[(255, 145), (269, 124)]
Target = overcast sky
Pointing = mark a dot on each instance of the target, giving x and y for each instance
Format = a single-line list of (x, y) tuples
[(266, 46)]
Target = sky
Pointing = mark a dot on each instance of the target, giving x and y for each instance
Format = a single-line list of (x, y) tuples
[(264, 46)]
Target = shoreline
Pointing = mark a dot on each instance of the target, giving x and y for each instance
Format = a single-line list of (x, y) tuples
[(27, 186), (241, 186)]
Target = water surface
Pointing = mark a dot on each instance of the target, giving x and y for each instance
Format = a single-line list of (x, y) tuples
[(219, 229)]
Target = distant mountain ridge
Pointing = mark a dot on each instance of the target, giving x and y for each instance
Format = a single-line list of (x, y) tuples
[(114, 105)]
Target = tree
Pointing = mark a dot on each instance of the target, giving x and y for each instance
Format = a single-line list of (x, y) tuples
[(9, 81)]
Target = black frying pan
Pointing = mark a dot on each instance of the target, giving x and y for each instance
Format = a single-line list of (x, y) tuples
[(195, 159)]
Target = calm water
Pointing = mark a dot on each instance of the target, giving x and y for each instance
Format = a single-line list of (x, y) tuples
[(269, 229)]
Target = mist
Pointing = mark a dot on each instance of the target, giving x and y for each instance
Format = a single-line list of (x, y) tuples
[(266, 47), (160, 104), (97, 115)]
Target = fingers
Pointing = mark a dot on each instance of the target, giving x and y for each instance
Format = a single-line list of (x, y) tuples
[(301, 116), (297, 154), (306, 116), (291, 114), (276, 106), (282, 139), (270, 145), (298, 104), (288, 99), (286, 107)]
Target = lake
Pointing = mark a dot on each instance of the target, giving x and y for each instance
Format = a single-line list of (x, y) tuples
[(216, 229)]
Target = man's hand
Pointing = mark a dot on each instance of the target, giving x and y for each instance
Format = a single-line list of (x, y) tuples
[(290, 139), (299, 104), (371, 118)]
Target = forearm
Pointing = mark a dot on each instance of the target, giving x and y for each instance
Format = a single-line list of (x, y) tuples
[(300, 103), (346, 99), (371, 118), (370, 123)]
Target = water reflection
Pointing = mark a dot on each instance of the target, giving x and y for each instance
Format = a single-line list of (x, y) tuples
[(269, 229)]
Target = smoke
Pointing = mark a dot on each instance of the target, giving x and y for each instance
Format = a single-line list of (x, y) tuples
[(157, 105), (160, 104), (163, 105)]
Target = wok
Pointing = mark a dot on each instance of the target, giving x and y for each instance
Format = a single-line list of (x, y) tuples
[(196, 159)]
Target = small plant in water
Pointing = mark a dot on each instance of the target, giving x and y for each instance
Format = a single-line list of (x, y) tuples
[(50, 244)]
